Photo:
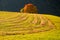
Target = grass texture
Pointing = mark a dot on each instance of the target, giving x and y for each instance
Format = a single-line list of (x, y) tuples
[(29, 26)]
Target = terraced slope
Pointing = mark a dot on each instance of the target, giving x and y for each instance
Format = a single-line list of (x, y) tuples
[(26, 24)]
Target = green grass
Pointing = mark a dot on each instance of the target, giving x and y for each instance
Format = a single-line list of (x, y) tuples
[(25, 20)]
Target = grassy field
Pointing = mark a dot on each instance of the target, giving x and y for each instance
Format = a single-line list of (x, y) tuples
[(26, 26)]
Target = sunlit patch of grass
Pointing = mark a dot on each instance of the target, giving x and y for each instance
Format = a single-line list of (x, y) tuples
[(53, 34)]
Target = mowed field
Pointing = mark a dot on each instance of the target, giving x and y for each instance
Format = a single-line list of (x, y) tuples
[(29, 26)]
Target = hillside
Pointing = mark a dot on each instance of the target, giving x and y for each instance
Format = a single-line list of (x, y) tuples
[(28, 26)]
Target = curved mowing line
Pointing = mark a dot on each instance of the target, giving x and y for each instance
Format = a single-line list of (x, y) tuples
[(28, 25), (21, 23), (13, 19)]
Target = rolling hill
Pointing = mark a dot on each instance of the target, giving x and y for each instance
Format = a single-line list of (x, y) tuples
[(28, 26)]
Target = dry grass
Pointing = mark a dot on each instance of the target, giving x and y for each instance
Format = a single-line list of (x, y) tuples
[(19, 26)]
